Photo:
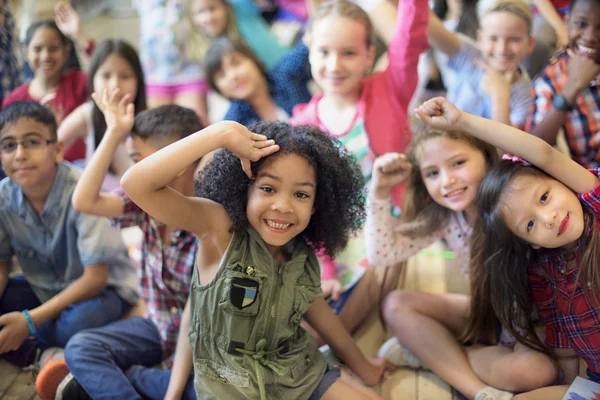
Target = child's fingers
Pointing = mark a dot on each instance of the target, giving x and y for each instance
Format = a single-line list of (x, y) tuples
[(124, 102), (98, 100), (130, 110), (257, 137), (269, 150), (114, 95), (260, 144), (246, 167)]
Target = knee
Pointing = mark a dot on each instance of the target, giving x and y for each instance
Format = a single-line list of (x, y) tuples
[(81, 347), (398, 303), (532, 371)]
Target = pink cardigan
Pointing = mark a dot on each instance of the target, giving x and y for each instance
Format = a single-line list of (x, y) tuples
[(386, 95)]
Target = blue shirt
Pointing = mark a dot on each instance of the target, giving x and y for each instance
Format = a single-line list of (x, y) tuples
[(287, 85), (54, 246), (466, 93)]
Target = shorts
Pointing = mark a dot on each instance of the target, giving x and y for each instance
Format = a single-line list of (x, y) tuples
[(177, 89), (332, 374)]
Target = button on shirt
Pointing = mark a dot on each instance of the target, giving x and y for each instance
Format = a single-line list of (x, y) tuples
[(54, 247), (165, 272)]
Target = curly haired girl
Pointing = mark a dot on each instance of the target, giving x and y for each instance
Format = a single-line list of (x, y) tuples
[(257, 275)]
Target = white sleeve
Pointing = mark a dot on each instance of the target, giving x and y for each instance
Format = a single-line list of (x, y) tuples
[(385, 245)]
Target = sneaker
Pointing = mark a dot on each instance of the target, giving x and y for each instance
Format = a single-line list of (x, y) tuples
[(399, 355), (70, 389), (490, 393), (49, 378)]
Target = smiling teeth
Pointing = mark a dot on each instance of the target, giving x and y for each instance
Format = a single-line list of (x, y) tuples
[(276, 225), (455, 192), (586, 50)]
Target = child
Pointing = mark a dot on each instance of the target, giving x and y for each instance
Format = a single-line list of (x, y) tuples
[(538, 238), (489, 81), (439, 203), (77, 274), (300, 190), (368, 114), (566, 94), (234, 72), (61, 91), (114, 64), (167, 254)]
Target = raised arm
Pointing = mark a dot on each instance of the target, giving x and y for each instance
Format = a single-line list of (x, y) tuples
[(550, 14), (69, 23), (146, 182), (88, 196), (441, 38), (441, 114)]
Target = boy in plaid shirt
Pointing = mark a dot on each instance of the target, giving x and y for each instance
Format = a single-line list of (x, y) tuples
[(166, 265)]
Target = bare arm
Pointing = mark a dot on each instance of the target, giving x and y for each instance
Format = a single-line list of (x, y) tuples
[(90, 284), (549, 13), (74, 126), (440, 113), (4, 271), (146, 182), (88, 196), (383, 18), (440, 37), (569, 363), (182, 365)]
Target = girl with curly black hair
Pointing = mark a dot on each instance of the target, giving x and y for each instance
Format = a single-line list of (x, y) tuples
[(297, 191)]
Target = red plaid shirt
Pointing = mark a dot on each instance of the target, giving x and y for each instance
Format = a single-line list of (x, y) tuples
[(571, 320), (165, 272)]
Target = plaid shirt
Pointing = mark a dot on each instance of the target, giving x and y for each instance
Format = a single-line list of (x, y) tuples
[(582, 124), (571, 321), (165, 272)]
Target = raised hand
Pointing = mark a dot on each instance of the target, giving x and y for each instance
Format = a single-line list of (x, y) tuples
[(67, 19), (248, 146), (439, 113), (389, 170), (118, 114)]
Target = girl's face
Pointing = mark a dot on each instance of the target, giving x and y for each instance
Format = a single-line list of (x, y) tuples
[(210, 15), (239, 77), (116, 72), (46, 53), (542, 211), (452, 171), (281, 199), (583, 24), (339, 56), (504, 40)]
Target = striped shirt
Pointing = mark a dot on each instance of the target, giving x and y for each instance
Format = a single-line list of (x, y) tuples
[(582, 124)]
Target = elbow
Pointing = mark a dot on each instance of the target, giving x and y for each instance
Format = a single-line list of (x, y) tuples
[(79, 204), (127, 183)]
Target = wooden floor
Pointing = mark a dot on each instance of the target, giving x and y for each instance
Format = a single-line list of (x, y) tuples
[(15, 384)]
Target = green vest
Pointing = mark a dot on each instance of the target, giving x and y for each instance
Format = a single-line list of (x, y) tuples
[(245, 333)]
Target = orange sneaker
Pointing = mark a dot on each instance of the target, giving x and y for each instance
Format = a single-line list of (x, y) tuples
[(49, 378)]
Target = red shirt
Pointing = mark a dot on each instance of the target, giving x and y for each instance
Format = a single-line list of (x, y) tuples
[(569, 316), (72, 92)]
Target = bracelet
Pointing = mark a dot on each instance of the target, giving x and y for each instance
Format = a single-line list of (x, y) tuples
[(29, 320)]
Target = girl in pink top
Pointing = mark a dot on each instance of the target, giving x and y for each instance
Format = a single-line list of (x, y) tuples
[(443, 170)]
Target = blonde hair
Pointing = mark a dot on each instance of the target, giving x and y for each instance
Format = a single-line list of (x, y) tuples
[(515, 7), (345, 9), (420, 214), (195, 41)]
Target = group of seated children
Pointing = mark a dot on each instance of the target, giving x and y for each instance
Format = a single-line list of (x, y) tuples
[(259, 228)]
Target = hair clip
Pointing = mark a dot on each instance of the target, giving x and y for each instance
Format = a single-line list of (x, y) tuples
[(515, 159)]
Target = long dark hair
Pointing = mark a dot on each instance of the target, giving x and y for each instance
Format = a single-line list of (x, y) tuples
[(499, 263), (468, 22), (128, 53)]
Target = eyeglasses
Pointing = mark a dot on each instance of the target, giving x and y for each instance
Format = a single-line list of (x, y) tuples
[(10, 146)]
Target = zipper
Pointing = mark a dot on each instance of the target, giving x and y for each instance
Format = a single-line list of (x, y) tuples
[(273, 312)]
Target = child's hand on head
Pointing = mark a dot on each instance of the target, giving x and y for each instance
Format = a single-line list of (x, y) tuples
[(248, 146), (331, 287), (389, 170), (118, 114), (67, 19), (581, 70), (438, 113), (493, 82)]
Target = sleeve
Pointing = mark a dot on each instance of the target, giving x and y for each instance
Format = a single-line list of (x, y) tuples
[(132, 215), (591, 199), (520, 103), (408, 42), (294, 66), (463, 61), (542, 92), (385, 246), (6, 250), (97, 241), (546, 308), (255, 31)]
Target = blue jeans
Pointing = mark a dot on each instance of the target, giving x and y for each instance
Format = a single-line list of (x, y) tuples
[(152, 383), (98, 358), (98, 311)]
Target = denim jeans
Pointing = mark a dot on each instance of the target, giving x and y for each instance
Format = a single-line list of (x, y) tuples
[(98, 311), (98, 358), (152, 383)]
